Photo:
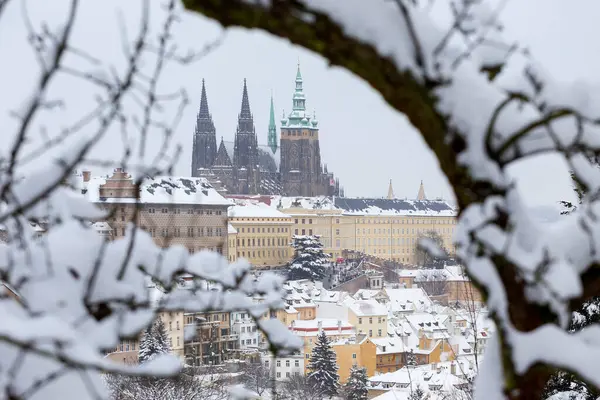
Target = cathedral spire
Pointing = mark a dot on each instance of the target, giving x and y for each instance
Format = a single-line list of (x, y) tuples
[(421, 195), (390, 194), (272, 128), (203, 113), (245, 112), (205, 140)]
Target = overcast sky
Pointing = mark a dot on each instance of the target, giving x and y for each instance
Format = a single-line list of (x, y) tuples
[(363, 140)]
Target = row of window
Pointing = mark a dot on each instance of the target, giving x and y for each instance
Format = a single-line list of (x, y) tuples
[(264, 230), (191, 231), (252, 242), (189, 211), (431, 220), (262, 254), (401, 231), (379, 320)]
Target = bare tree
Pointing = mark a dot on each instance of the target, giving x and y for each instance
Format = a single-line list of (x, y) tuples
[(79, 294), (299, 387), (257, 377), (434, 282)]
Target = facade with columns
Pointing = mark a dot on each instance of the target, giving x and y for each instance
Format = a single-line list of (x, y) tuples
[(288, 165)]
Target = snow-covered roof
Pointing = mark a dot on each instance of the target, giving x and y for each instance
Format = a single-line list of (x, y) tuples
[(254, 210), (327, 324), (437, 378), (366, 308), (449, 273), (413, 299), (308, 203), (161, 190), (394, 207)]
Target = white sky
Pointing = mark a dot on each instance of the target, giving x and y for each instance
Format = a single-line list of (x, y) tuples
[(363, 140)]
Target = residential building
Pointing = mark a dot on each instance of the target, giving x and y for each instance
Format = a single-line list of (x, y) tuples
[(451, 281), (213, 341), (263, 234), (283, 368), (243, 325), (173, 210), (368, 317), (359, 350), (308, 330)]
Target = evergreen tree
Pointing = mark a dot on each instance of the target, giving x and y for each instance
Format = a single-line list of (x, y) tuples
[(417, 394), (356, 386), (309, 259), (154, 341), (323, 368)]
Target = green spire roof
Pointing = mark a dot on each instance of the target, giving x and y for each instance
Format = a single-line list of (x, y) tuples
[(272, 128)]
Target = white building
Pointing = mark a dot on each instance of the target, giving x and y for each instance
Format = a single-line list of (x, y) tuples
[(284, 367), (244, 326)]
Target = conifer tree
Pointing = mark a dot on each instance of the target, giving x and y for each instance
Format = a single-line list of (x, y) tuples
[(417, 394), (356, 386), (323, 369), (309, 259), (154, 341)]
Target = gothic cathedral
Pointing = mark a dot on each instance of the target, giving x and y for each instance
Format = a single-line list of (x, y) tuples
[(291, 168)]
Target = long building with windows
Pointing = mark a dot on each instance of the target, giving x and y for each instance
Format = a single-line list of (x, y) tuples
[(387, 228), (173, 210)]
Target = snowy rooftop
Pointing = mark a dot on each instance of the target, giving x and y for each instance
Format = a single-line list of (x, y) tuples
[(366, 308), (449, 273), (414, 299), (254, 210), (161, 190), (328, 324), (391, 207), (307, 203)]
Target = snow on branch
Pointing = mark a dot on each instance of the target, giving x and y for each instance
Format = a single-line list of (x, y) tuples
[(77, 295), (482, 104)]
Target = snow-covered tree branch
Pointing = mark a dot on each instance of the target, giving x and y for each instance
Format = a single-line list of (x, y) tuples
[(78, 294), (482, 105)]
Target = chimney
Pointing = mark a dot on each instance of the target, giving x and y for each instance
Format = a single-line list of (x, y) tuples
[(320, 326), (453, 368), (86, 175), (433, 367), (293, 324), (339, 326)]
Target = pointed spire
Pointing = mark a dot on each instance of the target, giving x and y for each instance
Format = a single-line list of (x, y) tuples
[(390, 194), (245, 112), (203, 113), (298, 73), (272, 139), (421, 195)]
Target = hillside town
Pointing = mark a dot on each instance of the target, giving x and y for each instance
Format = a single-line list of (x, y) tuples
[(384, 304)]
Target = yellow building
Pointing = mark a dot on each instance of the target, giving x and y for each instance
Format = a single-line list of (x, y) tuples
[(357, 351), (263, 234), (369, 317), (307, 330), (231, 243), (387, 228)]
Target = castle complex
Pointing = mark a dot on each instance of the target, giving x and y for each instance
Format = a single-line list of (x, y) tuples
[(291, 167)]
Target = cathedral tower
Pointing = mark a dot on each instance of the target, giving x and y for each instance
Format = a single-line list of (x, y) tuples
[(204, 149), (245, 150), (272, 129), (300, 167)]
